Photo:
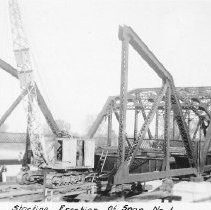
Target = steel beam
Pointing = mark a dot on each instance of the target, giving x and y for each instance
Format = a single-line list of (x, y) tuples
[(9, 69), (144, 52), (136, 120), (185, 116), (127, 35), (136, 124), (145, 126), (12, 107), (174, 127), (149, 176), (156, 124), (202, 92), (41, 102), (126, 138), (109, 127), (167, 113), (123, 98), (116, 115), (47, 113), (155, 64), (182, 127), (124, 167), (99, 118), (144, 116)]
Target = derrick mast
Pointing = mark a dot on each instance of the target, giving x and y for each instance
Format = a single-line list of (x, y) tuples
[(26, 79)]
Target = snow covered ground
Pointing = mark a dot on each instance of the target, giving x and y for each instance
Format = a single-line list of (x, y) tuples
[(193, 191)]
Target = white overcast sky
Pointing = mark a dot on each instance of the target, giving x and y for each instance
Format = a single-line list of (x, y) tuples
[(77, 54)]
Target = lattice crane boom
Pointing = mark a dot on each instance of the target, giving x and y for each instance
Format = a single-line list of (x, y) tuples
[(25, 75)]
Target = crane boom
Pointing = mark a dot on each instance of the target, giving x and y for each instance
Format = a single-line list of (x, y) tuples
[(41, 102), (25, 75)]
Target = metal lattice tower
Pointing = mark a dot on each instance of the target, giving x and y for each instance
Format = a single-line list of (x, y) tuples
[(26, 79)]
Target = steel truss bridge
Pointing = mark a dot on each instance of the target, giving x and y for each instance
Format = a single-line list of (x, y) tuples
[(175, 122)]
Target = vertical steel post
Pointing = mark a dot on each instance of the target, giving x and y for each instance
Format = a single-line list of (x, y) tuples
[(173, 120), (136, 125), (123, 98), (199, 142), (109, 127), (156, 124), (145, 116), (167, 127), (136, 121)]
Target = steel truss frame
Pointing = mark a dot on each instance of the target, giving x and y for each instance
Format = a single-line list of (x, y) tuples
[(177, 106)]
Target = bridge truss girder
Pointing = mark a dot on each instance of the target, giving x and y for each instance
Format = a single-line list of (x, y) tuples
[(177, 107)]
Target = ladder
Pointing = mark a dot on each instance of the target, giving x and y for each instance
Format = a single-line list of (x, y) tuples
[(100, 164), (102, 160)]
